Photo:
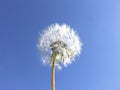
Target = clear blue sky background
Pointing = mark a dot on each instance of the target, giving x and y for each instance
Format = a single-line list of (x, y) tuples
[(96, 21)]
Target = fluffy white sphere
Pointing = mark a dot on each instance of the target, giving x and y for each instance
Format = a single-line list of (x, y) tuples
[(62, 40)]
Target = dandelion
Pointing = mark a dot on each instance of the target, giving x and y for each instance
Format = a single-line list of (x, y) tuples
[(59, 45)]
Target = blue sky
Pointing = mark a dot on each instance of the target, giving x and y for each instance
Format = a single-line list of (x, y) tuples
[(97, 22)]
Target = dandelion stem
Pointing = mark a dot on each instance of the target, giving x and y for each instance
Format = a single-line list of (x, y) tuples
[(53, 73), (52, 77)]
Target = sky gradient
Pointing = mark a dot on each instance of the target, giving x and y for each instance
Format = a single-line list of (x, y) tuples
[(97, 22)]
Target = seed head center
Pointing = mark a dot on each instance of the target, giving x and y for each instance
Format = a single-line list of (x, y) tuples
[(57, 45)]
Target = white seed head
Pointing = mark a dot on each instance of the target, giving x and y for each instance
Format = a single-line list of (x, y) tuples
[(62, 41)]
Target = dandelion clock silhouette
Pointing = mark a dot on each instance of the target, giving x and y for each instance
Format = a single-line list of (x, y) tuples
[(59, 45)]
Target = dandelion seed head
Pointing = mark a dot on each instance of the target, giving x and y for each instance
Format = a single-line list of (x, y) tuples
[(62, 40)]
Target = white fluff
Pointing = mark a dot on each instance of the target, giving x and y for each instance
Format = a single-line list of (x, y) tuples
[(63, 33)]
